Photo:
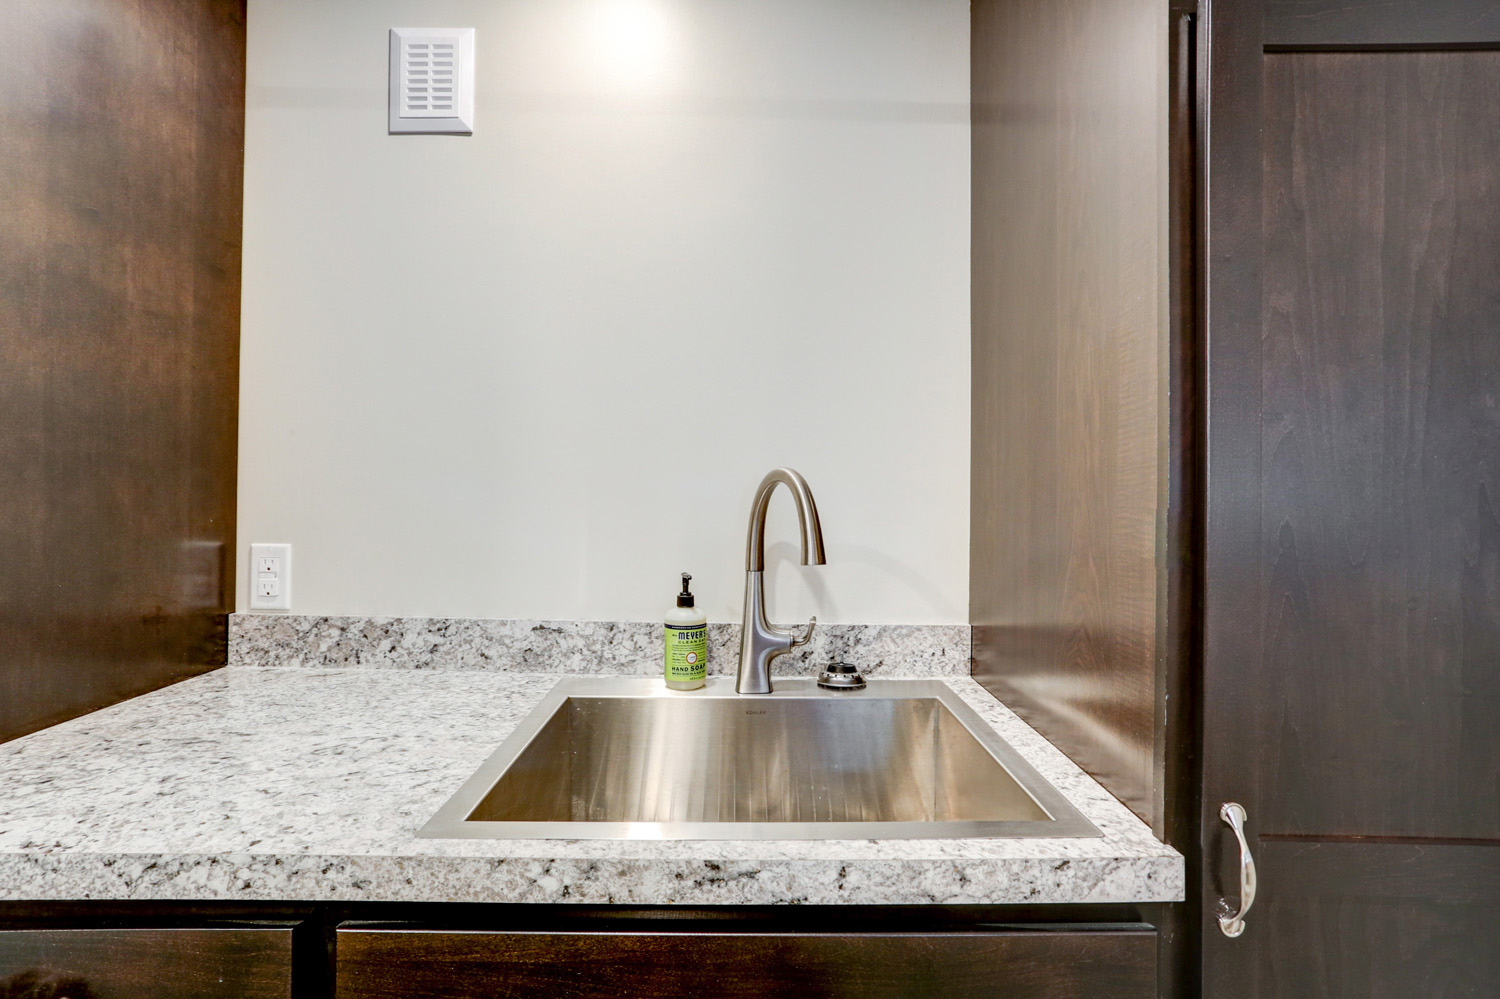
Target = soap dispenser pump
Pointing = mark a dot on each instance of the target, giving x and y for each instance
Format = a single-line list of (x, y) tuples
[(686, 641)]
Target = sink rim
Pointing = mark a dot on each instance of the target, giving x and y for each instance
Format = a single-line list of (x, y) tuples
[(450, 822)]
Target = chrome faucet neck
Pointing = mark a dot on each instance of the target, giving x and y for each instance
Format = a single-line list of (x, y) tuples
[(760, 642), (810, 531)]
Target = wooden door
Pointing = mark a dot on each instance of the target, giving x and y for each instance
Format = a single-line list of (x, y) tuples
[(1352, 541)]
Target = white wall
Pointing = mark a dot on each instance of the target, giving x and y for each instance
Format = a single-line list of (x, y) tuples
[(539, 371)]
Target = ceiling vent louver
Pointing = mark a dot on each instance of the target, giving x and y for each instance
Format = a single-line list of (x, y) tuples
[(432, 80)]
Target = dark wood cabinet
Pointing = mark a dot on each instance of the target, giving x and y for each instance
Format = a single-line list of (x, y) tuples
[(1117, 962), (1351, 540), (1235, 524), (446, 950), (130, 963), (123, 129)]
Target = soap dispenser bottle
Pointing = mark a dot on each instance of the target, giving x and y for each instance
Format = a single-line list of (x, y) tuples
[(686, 637)]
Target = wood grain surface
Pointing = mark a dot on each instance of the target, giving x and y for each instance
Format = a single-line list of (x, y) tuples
[(1081, 964), (1404, 24), (1070, 336), (1352, 575), (119, 321), (146, 963), (1379, 596), (1373, 920)]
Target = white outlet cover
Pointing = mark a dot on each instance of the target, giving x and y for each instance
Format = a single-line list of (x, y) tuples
[(279, 557), (432, 81)]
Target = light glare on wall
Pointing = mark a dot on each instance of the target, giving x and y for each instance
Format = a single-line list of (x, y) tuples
[(633, 43)]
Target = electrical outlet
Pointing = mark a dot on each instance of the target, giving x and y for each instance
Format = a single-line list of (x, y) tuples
[(270, 577)]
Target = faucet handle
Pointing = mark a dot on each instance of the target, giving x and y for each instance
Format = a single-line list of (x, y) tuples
[(806, 636)]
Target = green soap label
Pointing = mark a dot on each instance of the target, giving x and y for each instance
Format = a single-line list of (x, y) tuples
[(687, 652)]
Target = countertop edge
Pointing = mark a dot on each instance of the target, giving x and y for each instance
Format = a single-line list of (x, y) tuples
[(532, 880)]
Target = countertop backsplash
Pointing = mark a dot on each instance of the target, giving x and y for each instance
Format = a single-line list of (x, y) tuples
[(612, 647)]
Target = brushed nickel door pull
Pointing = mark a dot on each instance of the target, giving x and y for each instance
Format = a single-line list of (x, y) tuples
[(1233, 923)]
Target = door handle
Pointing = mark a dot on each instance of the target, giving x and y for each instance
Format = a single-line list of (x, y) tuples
[(1231, 922)]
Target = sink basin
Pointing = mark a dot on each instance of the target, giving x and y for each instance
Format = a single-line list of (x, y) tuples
[(625, 758)]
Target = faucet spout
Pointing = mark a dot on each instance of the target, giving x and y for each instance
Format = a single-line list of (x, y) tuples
[(760, 642), (810, 531)]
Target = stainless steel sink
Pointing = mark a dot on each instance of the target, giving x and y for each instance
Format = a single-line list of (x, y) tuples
[(627, 759)]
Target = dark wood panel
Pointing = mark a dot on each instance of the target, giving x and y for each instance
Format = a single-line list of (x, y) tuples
[(1379, 600), (1313, 24), (1382, 872), (1372, 920), (1177, 729), (1069, 367), (119, 317), (316, 922), (1352, 574), (385, 964), (146, 963), (1231, 192)]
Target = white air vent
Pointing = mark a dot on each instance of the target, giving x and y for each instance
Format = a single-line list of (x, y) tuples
[(432, 80), (427, 77)]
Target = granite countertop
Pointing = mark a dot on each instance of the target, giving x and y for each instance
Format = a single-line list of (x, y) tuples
[(307, 783)]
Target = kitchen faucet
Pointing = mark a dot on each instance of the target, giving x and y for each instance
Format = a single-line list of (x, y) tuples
[(760, 642)]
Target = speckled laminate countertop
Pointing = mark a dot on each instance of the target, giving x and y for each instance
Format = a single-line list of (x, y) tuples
[(257, 783)]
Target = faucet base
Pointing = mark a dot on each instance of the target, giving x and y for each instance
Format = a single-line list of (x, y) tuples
[(759, 642)]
